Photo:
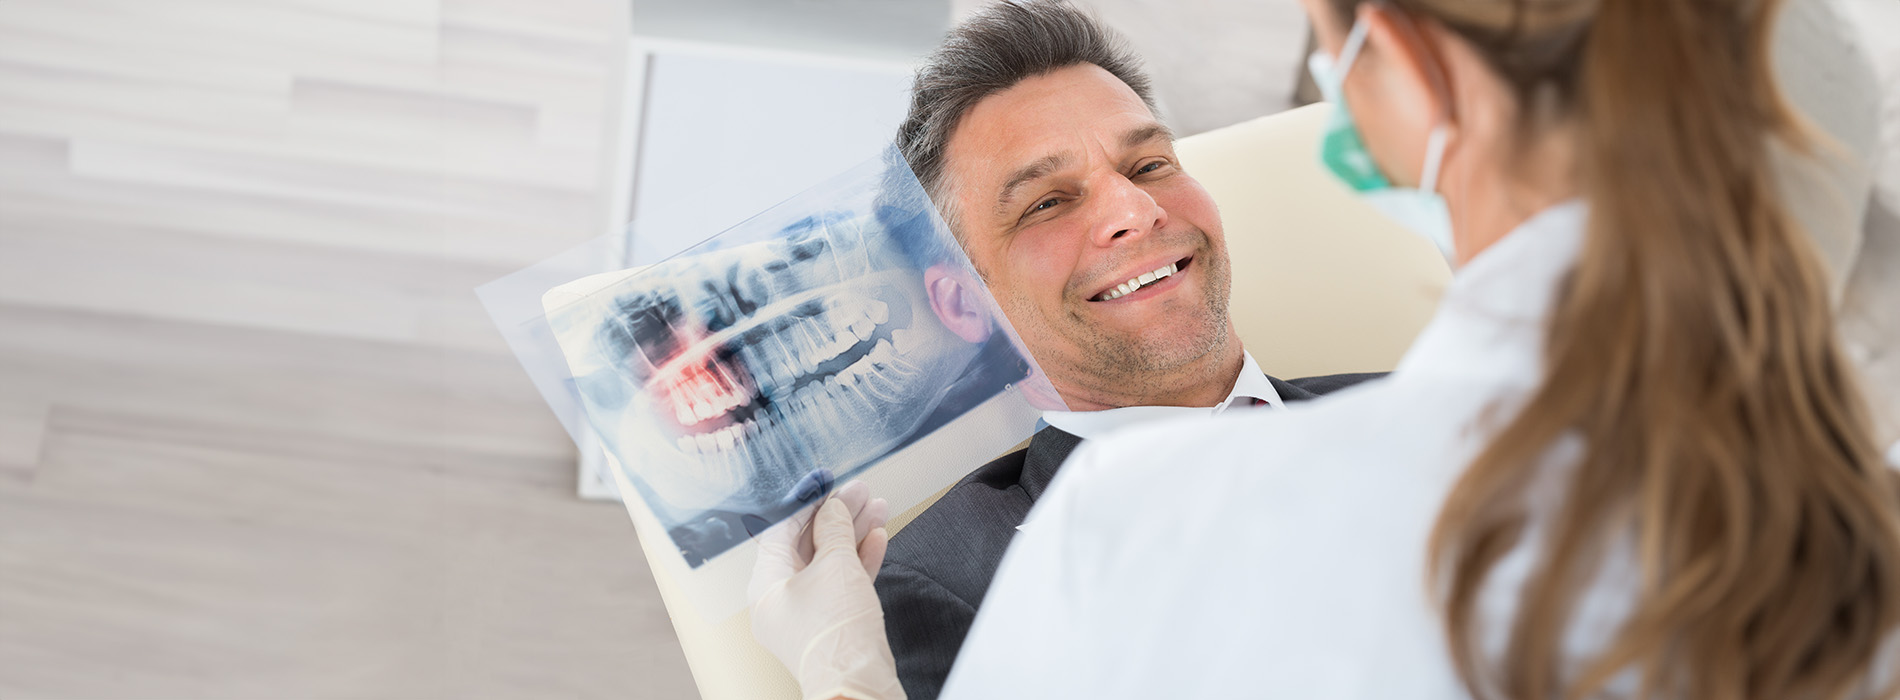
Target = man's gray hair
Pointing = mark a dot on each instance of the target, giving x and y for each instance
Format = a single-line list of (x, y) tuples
[(999, 46)]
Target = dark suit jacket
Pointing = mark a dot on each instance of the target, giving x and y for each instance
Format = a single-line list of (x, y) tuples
[(938, 567)]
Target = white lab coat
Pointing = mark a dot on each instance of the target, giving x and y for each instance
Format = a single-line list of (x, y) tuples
[(1282, 554)]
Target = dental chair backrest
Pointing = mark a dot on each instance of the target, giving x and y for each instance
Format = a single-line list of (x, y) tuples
[(1322, 284)]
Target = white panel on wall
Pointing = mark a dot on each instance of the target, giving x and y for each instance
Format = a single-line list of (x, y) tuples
[(727, 133)]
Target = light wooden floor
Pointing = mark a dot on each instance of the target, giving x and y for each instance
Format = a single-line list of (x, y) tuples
[(257, 439)]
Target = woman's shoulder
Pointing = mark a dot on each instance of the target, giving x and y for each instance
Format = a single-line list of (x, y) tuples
[(1256, 442), (1372, 447), (1295, 533)]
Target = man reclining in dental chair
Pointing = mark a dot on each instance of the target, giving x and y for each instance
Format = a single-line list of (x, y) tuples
[(1049, 164)]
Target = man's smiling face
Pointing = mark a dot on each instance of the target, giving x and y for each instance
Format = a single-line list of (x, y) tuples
[(1107, 258)]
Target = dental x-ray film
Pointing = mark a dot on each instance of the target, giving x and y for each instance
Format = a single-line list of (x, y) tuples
[(733, 383)]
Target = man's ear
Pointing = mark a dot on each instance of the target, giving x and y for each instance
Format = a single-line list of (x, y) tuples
[(957, 303)]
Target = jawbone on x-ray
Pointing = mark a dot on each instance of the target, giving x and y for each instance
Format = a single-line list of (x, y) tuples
[(726, 377)]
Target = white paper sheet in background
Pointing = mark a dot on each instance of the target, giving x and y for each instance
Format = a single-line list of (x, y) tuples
[(726, 132)]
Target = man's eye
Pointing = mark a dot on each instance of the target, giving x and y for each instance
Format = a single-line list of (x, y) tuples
[(1045, 204), (1151, 167)]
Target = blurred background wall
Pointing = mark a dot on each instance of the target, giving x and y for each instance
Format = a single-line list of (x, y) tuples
[(257, 439), (1214, 62)]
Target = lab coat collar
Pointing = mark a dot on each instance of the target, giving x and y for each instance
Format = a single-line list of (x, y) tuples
[(1089, 425), (1492, 320)]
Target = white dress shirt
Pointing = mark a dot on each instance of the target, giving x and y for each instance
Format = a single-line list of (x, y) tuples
[(1282, 553), (1091, 425)]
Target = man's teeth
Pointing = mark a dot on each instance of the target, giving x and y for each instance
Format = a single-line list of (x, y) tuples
[(1142, 280)]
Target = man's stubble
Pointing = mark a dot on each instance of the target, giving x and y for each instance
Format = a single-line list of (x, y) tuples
[(1118, 363)]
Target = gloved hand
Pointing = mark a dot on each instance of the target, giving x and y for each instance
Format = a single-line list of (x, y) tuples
[(815, 609)]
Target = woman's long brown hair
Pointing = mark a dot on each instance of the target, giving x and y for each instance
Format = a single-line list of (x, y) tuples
[(1726, 445)]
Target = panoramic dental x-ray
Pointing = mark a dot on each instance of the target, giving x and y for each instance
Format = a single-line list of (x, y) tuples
[(735, 382)]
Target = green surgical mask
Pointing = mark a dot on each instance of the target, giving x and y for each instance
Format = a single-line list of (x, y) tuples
[(1344, 153)]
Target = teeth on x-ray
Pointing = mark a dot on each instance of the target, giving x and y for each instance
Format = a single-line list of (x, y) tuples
[(905, 340), (794, 382), (708, 390), (761, 385)]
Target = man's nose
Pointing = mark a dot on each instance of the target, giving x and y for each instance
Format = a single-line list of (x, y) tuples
[(1125, 212)]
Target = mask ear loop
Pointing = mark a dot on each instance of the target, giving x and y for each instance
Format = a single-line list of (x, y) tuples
[(1437, 142), (1434, 158), (1349, 52)]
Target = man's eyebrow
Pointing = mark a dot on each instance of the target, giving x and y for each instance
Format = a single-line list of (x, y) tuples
[(1144, 134), (1026, 174), (1147, 133)]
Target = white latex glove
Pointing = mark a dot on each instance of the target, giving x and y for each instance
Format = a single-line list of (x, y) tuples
[(814, 607)]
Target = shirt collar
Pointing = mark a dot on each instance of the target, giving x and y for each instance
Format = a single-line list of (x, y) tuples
[(1251, 384), (1088, 425)]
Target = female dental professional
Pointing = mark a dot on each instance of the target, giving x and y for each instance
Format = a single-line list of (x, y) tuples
[(1625, 459)]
